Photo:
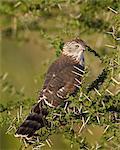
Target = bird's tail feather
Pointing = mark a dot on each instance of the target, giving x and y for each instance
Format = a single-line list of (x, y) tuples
[(34, 121)]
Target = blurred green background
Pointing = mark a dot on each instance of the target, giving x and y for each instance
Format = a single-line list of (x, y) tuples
[(30, 33)]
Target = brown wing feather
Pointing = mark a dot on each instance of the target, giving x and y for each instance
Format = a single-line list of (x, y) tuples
[(60, 82)]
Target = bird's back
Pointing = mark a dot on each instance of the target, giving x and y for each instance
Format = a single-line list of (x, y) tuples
[(61, 80)]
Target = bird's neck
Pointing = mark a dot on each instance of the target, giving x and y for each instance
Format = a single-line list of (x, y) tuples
[(78, 58)]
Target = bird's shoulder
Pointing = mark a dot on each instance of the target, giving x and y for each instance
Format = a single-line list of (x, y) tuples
[(58, 66), (61, 63)]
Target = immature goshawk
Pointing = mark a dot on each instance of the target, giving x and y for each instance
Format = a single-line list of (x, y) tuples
[(62, 80)]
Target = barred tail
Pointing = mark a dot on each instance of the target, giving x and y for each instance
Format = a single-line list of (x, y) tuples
[(34, 121)]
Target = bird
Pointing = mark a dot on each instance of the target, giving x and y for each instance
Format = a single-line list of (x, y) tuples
[(63, 79)]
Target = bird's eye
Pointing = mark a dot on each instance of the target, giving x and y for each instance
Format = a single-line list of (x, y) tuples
[(77, 46)]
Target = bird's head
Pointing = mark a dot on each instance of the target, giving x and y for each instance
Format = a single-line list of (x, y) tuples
[(75, 49)]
